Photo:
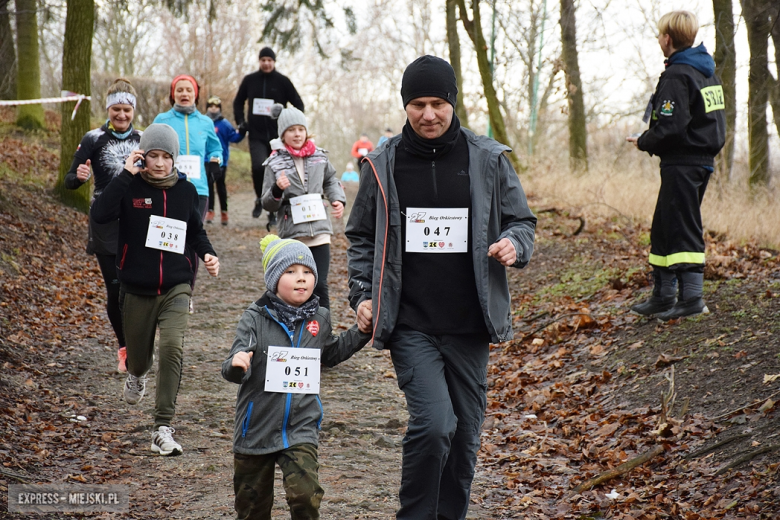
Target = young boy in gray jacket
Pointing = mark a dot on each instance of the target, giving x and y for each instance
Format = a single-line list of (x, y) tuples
[(278, 409)]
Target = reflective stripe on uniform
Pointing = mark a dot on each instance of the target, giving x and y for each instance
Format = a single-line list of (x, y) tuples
[(676, 258)]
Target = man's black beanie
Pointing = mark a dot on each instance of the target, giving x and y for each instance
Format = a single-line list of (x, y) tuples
[(267, 52), (429, 76)]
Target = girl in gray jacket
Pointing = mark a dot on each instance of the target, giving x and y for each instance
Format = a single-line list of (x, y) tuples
[(278, 409), (297, 175)]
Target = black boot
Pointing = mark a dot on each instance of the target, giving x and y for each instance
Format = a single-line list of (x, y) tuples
[(690, 302), (258, 208), (664, 294), (271, 221)]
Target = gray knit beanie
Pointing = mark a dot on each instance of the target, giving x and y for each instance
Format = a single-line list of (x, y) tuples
[(159, 136), (281, 253), (288, 117)]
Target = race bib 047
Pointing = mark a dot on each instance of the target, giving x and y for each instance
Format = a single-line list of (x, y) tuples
[(437, 230)]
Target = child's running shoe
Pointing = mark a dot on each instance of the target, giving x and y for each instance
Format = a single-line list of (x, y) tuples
[(134, 388), (163, 443)]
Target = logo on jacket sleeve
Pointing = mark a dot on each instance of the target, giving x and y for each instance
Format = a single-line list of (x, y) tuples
[(313, 327), (142, 203), (667, 107)]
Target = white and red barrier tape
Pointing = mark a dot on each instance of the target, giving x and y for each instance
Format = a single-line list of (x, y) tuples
[(66, 96)]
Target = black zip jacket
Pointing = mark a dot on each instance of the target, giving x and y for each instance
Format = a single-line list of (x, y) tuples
[(144, 270), (688, 119), (273, 85)]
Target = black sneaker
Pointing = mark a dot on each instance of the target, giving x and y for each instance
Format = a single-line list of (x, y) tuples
[(653, 305), (681, 309), (258, 208), (271, 221)]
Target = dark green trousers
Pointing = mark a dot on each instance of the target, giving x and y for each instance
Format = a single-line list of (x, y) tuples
[(141, 316), (253, 483)]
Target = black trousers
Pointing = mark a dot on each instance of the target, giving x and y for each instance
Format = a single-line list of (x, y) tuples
[(444, 379), (107, 265), (677, 234), (221, 191), (321, 256), (258, 152)]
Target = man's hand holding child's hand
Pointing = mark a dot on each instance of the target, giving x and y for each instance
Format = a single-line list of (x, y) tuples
[(243, 360)]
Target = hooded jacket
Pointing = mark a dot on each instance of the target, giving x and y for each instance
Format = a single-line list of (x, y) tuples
[(268, 422), (499, 210), (196, 137), (140, 269), (259, 85), (321, 178), (226, 135), (688, 118)]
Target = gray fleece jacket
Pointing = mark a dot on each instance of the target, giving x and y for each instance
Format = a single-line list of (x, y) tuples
[(268, 422), (499, 210), (320, 178)]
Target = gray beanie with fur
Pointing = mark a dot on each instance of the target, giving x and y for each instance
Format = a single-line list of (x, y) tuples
[(288, 117), (159, 136)]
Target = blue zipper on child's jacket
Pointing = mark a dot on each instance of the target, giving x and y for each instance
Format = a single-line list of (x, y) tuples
[(288, 401)]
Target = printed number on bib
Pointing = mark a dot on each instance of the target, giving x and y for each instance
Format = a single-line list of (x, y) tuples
[(189, 165), (262, 106), (307, 208), (293, 370), (437, 230), (166, 234)]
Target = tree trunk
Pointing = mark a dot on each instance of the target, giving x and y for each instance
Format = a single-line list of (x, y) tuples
[(578, 133), (7, 54), (756, 15), (76, 59), (453, 42), (28, 76), (474, 30), (774, 92), (726, 68)]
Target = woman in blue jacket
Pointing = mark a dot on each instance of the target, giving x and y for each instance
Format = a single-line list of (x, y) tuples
[(198, 142)]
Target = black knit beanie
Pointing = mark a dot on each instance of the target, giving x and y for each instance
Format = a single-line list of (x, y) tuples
[(429, 76), (267, 52)]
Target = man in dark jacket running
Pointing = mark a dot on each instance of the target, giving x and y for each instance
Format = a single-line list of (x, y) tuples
[(439, 215), (261, 90), (687, 130)]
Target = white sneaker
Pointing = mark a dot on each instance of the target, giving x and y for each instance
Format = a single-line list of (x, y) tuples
[(163, 443), (134, 388)]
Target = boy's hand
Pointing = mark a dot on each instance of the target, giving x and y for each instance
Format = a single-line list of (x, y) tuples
[(365, 314), (242, 360), (212, 264), (633, 139), (134, 157), (338, 209)]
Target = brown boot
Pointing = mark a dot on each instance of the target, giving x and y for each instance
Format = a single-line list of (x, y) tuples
[(224, 218)]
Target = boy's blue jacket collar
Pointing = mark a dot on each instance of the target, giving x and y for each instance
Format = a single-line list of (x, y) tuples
[(696, 57)]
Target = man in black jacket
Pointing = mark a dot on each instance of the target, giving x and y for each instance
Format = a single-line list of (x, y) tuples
[(687, 130), (439, 217), (262, 89)]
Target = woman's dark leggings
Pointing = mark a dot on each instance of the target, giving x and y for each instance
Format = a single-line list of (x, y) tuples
[(107, 265), (321, 256), (221, 191)]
